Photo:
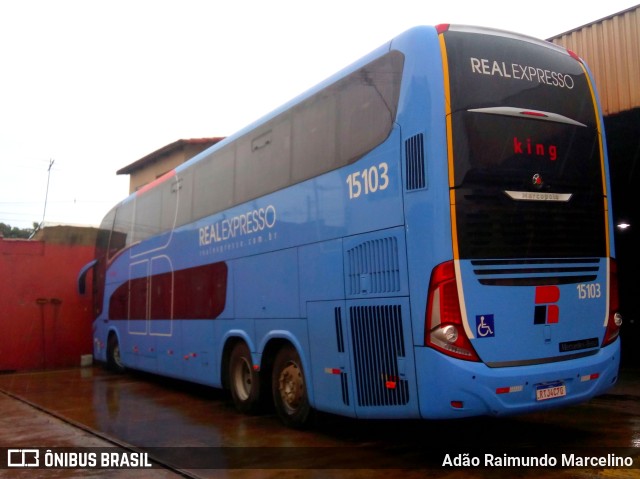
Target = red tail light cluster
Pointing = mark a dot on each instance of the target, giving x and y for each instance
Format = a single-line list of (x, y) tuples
[(444, 330), (615, 318)]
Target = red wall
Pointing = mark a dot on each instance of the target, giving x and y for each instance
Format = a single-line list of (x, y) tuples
[(44, 323)]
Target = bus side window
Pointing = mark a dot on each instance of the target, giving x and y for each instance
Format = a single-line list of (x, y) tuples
[(122, 229)]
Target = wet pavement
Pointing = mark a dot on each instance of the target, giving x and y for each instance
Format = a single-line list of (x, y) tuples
[(195, 432)]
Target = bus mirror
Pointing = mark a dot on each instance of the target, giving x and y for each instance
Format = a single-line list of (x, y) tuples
[(82, 276)]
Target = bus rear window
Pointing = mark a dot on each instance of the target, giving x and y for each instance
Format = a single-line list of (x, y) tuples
[(527, 166), (494, 70), (508, 152), (520, 109)]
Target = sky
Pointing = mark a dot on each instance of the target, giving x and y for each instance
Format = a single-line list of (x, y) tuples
[(90, 86)]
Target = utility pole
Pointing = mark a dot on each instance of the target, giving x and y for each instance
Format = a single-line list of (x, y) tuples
[(46, 195)]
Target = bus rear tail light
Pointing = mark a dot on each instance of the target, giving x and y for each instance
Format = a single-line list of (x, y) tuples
[(444, 330), (615, 318)]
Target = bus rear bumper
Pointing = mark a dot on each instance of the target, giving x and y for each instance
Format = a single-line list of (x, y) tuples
[(452, 388)]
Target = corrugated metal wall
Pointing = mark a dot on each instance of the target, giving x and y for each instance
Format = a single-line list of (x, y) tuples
[(611, 48)]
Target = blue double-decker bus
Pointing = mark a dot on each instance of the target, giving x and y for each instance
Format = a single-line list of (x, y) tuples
[(426, 234)]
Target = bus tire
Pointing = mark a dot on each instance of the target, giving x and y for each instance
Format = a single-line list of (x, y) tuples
[(244, 381), (114, 357), (290, 396)]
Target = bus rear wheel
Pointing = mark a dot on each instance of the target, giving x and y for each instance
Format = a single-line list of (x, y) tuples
[(114, 358), (244, 381), (289, 389)]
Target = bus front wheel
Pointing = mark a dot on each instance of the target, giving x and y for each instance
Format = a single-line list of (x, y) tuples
[(244, 381), (289, 389), (114, 358)]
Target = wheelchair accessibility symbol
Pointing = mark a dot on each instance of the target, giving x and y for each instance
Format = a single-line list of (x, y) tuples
[(485, 326)]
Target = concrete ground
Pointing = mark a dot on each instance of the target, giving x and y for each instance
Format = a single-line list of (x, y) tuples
[(95, 409)]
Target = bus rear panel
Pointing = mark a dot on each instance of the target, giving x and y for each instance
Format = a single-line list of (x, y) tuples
[(531, 271)]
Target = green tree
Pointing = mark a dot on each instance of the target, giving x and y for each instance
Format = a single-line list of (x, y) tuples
[(13, 232)]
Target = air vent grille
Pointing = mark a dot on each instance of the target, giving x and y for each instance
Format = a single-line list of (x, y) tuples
[(414, 152), (373, 267), (536, 272), (378, 342), (339, 334)]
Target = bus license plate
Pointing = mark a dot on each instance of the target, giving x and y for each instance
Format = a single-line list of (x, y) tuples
[(550, 391)]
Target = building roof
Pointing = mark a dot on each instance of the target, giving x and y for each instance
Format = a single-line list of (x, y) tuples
[(611, 48), (594, 22), (166, 150)]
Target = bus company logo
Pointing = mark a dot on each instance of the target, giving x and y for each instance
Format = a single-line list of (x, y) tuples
[(515, 71), (251, 222), (546, 309)]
